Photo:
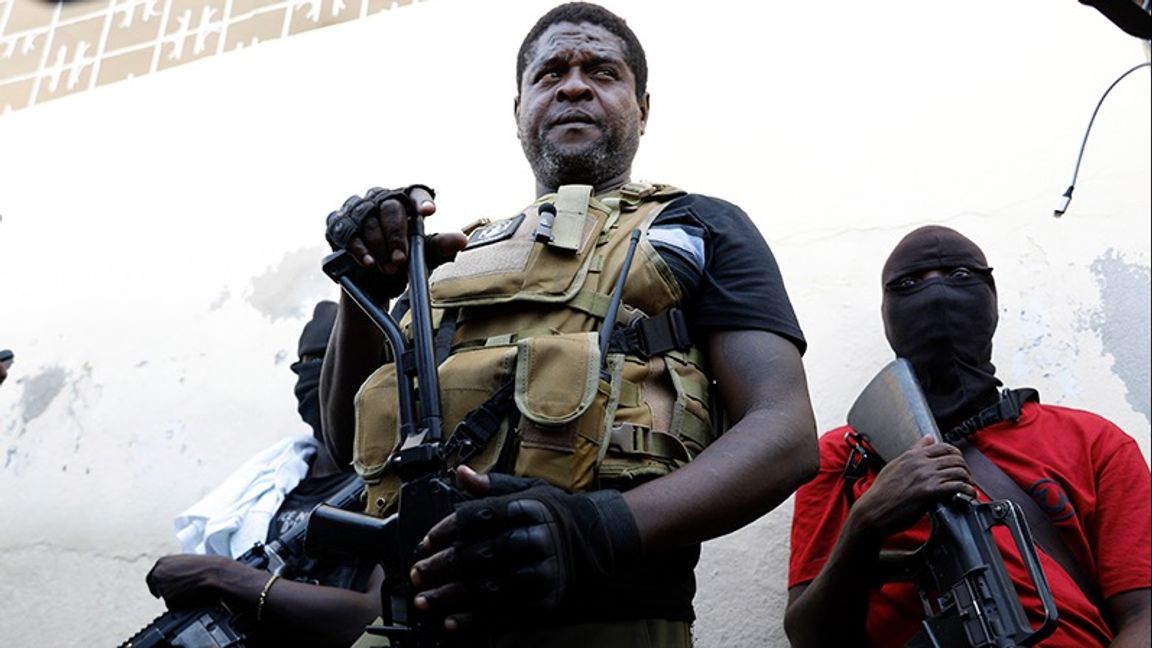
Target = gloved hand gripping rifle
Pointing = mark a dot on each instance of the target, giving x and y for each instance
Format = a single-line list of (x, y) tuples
[(427, 494), (968, 597)]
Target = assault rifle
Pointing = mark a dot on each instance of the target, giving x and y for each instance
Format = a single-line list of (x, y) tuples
[(427, 494), (217, 625), (969, 599)]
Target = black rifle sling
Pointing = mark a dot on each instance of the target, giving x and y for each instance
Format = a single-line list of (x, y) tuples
[(442, 340), (443, 335), (1005, 409), (478, 427), (998, 485)]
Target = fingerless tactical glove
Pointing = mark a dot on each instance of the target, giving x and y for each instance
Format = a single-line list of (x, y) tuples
[(540, 547), (348, 223)]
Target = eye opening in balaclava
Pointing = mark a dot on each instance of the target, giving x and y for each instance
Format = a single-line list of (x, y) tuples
[(310, 351), (943, 325)]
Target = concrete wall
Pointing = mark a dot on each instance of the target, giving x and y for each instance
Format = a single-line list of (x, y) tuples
[(159, 238)]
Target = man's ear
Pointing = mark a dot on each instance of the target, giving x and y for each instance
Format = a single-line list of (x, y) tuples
[(644, 105), (516, 113)]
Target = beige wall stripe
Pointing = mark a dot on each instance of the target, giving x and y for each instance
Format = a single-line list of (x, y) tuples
[(51, 49)]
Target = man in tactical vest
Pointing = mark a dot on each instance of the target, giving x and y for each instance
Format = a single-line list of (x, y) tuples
[(1087, 478), (687, 420)]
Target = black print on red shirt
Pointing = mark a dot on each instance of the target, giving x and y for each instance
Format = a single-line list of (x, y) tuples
[(1052, 499)]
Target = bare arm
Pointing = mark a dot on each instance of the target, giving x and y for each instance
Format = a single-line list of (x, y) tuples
[(840, 592), (319, 613), (333, 613), (768, 452), (355, 350), (1132, 611)]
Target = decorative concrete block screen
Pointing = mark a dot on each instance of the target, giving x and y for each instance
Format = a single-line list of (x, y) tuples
[(50, 48)]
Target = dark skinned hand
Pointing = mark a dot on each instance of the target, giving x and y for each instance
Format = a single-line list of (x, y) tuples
[(191, 579), (373, 229), (909, 485)]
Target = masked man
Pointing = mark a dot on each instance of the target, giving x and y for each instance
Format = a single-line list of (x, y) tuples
[(1086, 475)]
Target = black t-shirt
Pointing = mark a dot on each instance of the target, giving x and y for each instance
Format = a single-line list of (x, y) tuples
[(730, 281), (725, 268)]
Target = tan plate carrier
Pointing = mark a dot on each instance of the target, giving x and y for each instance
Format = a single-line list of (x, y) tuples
[(529, 310)]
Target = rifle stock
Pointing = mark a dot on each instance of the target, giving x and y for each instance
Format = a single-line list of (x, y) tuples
[(968, 597)]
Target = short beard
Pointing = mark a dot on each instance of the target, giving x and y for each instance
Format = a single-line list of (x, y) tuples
[(608, 158)]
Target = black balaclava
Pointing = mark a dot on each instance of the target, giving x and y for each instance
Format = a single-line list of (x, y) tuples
[(943, 325), (313, 343)]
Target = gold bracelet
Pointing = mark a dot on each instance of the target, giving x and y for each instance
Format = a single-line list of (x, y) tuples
[(264, 596)]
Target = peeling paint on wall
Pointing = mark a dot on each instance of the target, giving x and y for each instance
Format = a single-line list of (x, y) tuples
[(290, 289), (67, 392), (39, 392), (1122, 322)]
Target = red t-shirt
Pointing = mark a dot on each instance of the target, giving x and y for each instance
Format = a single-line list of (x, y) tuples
[(1087, 475)]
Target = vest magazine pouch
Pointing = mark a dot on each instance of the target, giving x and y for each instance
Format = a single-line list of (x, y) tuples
[(467, 380), (565, 406), (376, 437)]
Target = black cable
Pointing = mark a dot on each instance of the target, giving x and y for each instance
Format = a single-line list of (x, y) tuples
[(1067, 197)]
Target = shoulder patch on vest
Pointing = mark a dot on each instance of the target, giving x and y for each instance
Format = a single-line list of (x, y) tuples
[(494, 232)]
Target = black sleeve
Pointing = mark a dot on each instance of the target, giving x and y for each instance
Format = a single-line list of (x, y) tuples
[(738, 286)]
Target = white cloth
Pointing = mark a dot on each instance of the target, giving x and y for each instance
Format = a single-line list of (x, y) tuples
[(236, 514)]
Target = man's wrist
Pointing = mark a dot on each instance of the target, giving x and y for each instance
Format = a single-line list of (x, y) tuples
[(262, 599), (240, 582), (619, 523), (860, 535)]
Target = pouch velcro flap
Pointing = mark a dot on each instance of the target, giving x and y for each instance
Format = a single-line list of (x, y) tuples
[(557, 376), (571, 212)]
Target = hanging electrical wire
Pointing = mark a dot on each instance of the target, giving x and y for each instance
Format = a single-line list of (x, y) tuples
[(1067, 197)]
